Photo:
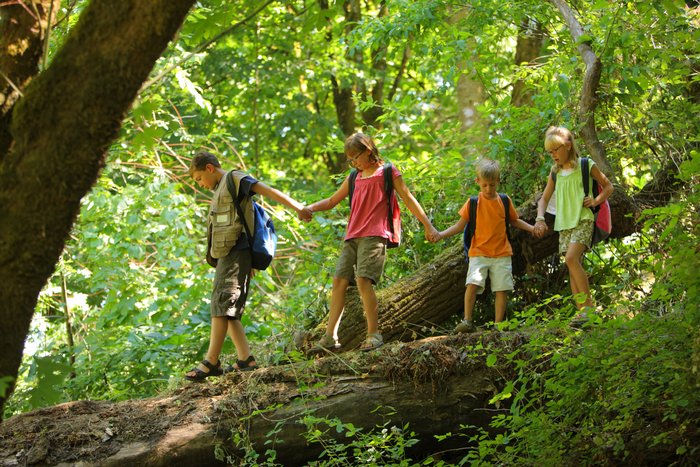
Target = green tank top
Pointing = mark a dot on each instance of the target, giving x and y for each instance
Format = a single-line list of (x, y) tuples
[(568, 192)]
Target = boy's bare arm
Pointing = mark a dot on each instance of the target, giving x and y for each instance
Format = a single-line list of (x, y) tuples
[(458, 227), (273, 193), (522, 225)]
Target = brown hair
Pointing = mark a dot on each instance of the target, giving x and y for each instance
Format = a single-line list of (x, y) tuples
[(360, 142), (201, 160)]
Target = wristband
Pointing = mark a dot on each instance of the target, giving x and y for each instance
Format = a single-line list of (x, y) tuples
[(539, 218)]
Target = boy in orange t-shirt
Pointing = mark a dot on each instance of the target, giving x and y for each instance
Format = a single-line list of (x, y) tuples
[(490, 252)]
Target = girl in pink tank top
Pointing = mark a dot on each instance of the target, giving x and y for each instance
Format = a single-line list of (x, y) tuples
[(368, 232)]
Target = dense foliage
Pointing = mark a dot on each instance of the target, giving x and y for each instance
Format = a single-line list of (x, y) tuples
[(126, 311)]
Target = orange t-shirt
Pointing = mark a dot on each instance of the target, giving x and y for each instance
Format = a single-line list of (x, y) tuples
[(490, 238)]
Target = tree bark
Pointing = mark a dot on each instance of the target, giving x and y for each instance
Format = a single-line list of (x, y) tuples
[(431, 386), (22, 37), (60, 130)]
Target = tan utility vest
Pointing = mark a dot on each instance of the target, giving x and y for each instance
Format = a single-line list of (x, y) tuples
[(223, 223)]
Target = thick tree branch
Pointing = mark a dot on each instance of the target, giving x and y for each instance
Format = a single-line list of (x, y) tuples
[(22, 35), (589, 99)]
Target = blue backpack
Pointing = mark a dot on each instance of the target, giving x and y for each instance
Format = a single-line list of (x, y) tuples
[(470, 229), (263, 239)]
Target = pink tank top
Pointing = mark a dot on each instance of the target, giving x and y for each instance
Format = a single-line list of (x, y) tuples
[(369, 210)]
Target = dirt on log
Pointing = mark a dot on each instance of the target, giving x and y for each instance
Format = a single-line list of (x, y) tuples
[(430, 387)]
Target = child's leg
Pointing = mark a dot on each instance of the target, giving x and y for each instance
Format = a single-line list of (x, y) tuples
[(470, 300), (237, 333), (578, 279), (216, 343), (501, 274), (501, 300), (369, 303), (340, 287), (371, 255)]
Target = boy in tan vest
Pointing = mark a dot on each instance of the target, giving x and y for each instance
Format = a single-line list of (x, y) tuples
[(228, 250)]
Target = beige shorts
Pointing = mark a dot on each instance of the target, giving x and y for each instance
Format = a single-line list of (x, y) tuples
[(499, 270), (362, 257), (582, 233)]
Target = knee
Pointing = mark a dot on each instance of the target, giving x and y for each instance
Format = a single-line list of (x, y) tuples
[(572, 260), (340, 283), (363, 283)]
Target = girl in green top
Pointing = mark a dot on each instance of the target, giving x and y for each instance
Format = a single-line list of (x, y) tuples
[(574, 217)]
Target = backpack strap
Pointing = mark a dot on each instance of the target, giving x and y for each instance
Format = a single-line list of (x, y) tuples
[(473, 202), (389, 191), (586, 180), (506, 207), (351, 184), (234, 194), (584, 175)]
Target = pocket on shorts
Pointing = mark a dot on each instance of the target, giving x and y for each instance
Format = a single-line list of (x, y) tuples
[(227, 304)]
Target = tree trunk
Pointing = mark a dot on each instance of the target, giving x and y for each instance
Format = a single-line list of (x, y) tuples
[(61, 128), (528, 49), (431, 387)]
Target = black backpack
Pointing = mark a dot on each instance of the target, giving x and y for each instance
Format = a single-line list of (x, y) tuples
[(388, 191), (470, 229)]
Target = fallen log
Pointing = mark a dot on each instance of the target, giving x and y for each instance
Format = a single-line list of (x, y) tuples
[(429, 387)]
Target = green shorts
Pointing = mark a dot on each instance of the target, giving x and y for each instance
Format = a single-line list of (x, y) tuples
[(231, 282), (582, 233), (362, 257)]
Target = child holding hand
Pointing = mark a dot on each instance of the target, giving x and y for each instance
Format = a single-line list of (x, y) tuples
[(574, 216), (368, 231), (490, 251)]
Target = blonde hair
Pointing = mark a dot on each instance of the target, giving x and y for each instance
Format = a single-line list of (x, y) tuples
[(488, 170), (556, 136), (360, 142)]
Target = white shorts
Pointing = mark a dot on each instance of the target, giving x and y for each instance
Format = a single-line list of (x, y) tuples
[(500, 270)]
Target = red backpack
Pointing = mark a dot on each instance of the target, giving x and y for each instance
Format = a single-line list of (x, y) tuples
[(602, 225)]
